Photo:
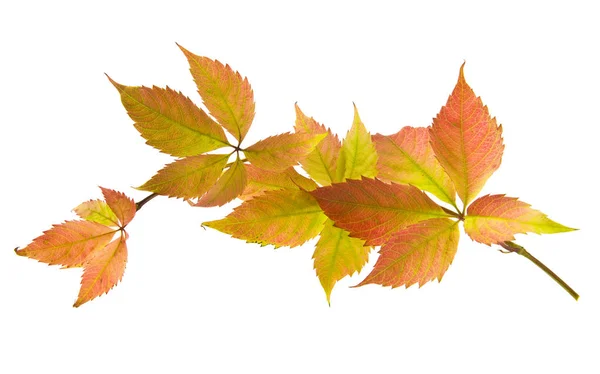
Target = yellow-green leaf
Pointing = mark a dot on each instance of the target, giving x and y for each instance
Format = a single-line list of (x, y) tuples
[(230, 185), (187, 178), (280, 217), (358, 156), (260, 180), (97, 211), (226, 95), (170, 121), (279, 152), (338, 255)]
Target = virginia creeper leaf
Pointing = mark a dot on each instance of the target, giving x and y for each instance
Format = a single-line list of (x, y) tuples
[(358, 156), (187, 178), (279, 217), (416, 254), (226, 95), (123, 207), (279, 152), (496, 218), (170, 121), (69, 243), (260, 180), (230, 185), (407, 158), (337, 255), (466, 140), (97, 211), (103, 270), (373, 210), (321, 163)]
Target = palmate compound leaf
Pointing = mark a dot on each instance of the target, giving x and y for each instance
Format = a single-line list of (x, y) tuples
[(279, 152), (187, 178), (227, 96), (358, 157), (88, 243), (407, 158), (260, 180), (321, 163), (466, 141), (170, 121), (337, 255), (278, 217), (230, 185), (418, 253), (493, 219), (373, 210)]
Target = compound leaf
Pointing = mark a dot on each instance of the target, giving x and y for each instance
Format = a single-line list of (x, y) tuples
[(103, 270), (466, 140), (279, 152), (373, 210), (187, 178), (337, 255), (407, 158), (279, 217), (170, 121), (358, 156), (227, 96), (418, 253), (495, 219)]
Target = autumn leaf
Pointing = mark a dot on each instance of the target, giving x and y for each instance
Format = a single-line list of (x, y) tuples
[(97, 211), (496, 218), (278, 217), (373, 210), (407, 158), (358, 156), (103, 270), (466, 141), (260, 180), (123, 207), (187, 178), (418, 253), (227, 96), (170, 121), (321, 163), (69, 243), (279, 152), (229, 186), (337, 255)]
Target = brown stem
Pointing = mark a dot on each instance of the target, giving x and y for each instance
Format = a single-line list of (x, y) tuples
[(142, 202)]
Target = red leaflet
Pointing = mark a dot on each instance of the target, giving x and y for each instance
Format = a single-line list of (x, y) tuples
[(466, 140)]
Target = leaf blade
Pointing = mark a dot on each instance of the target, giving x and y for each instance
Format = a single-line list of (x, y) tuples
[(260, 180), (467, 141), (358, 156), (279, 217), (123, 207), (407, 158), (493, 219), (187, 178), (373, 210), (97, 211), (279, 152), (230, 185), (416, 254), (227, 96)]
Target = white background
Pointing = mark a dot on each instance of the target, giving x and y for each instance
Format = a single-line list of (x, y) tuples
[(195, 300)]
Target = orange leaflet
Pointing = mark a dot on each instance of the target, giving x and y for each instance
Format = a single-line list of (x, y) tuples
[(321, 163), (407, 158), (170, 121), (495, 219), (466, 141), (279, 152), (260, 180), (226, 95), (229, 186), (416, 254), (187, 178), (373, 210), (103, 270), (121, 205)]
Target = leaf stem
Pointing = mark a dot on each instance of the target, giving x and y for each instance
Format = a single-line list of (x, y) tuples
[(515, 248), (142, 202)]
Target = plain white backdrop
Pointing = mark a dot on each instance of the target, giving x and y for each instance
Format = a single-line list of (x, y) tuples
[(197, 301)]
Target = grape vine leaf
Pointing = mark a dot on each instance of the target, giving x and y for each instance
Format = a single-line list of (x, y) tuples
[(88, 243)]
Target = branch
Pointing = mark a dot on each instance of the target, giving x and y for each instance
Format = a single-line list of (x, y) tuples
[(142, 202), (515, 248)]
